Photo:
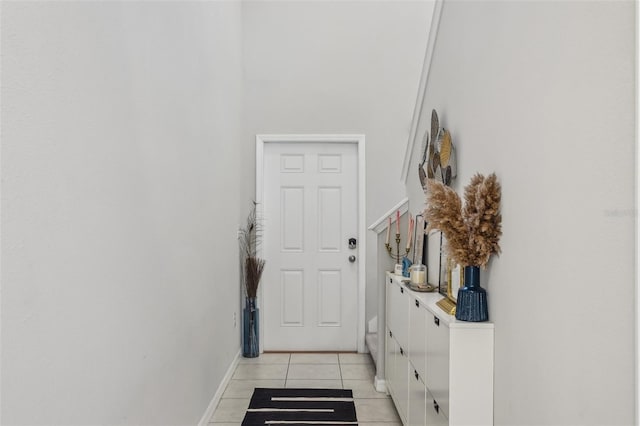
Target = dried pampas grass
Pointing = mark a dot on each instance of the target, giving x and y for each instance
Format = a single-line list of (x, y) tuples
[(472, 232), (252, 266)]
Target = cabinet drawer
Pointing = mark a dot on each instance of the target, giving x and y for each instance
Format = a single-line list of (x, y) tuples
[(389, 360), (437, 377), (417, 399), (434, 415), (387, 302), (418, 315), (398, 313), (401, 383)]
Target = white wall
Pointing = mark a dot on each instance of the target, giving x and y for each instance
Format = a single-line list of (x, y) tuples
[(339, 67), (120, 200), (542, 93)]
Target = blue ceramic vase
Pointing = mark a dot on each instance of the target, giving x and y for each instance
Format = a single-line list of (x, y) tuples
[(472, 299), (250, 343)]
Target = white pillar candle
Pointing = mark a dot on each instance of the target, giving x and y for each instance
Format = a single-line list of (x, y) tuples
[(388, 230)]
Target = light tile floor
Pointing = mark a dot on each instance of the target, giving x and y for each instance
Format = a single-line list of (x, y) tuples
[(306, 370)]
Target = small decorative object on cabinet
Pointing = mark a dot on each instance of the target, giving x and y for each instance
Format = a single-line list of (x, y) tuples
[(472, 298), (472, 233), (420, 244), (406, 264), (400, 254), (252, 267), (454, 283), (418, 279), (439, 371), (398, 269), (418, 274)]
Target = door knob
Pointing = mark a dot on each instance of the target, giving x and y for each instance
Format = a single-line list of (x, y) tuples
[(352, 258)]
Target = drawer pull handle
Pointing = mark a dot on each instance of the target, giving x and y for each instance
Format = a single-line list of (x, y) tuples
[(416, 374), (390, 333), (417, 303), (401, 351), (401, 289), (436, 406), (436, 321)]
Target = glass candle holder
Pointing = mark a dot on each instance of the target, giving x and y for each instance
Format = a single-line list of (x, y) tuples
[(418, 275)]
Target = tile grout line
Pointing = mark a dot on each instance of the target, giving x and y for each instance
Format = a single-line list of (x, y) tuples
[(340, 369), (286, 376)]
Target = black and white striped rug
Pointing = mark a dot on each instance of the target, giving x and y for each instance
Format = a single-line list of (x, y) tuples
[(301, 407)]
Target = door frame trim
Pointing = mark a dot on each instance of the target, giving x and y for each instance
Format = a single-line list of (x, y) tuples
[(359, 140)]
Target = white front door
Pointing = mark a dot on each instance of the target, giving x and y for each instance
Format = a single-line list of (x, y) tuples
[(310, 284)]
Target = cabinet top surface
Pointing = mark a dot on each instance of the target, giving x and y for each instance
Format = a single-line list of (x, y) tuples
[(429, 300)]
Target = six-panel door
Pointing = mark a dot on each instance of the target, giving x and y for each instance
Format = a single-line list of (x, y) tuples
[(310, 284)]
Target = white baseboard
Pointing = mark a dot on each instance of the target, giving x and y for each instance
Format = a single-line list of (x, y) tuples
[(373, 325), (380, 385), (204, 421)]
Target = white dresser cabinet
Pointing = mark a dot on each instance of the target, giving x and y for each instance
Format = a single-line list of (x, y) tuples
[(439, 370)]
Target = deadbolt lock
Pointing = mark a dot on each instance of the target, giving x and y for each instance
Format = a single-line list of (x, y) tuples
[(352, 243)]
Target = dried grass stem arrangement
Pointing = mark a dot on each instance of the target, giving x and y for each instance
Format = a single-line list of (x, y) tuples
[(472, 232), (252, 266)]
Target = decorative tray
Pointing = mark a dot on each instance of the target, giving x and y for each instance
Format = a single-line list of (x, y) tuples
[(421, 289)]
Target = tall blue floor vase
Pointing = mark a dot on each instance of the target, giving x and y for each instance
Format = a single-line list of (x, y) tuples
[(472, 299), (250, 343)]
